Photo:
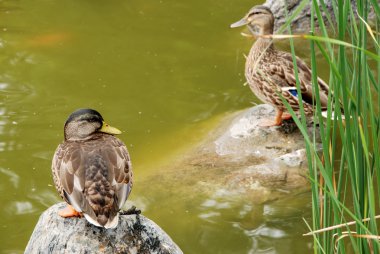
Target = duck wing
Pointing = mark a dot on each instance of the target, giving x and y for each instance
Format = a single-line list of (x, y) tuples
[(282, 74), (68, 170), (120, 169)]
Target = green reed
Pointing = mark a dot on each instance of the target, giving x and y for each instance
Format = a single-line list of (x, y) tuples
[(345, 169)]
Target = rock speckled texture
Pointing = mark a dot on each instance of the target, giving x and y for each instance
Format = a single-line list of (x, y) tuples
[(301, 23), (134, 234), (260, 157)]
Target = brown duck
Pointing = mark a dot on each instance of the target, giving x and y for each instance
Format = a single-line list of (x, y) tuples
[(92, 170), (270, 72)]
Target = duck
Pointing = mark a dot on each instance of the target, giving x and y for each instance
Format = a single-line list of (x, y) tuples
[(270, 73), (92, 170)]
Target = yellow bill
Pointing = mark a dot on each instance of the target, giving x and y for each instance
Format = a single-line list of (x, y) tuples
[(106, 128)]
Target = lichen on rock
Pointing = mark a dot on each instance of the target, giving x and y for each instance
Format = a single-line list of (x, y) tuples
[(134, 234)]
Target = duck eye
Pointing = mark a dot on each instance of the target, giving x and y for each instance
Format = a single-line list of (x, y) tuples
[(90, 120), (255, 13)]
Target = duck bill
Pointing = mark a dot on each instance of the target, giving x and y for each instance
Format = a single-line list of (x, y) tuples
[(106, 128), (244, 21)]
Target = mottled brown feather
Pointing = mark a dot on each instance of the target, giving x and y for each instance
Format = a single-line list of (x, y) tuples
[(93, 172), (268, 70), (270, 73)]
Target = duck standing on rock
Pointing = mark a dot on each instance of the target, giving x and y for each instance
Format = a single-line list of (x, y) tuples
[(270, 73), (92, 170)]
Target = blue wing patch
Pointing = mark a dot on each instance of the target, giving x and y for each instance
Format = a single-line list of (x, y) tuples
[(293, 92)]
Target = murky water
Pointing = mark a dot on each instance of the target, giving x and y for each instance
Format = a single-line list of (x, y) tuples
[(159, 70)]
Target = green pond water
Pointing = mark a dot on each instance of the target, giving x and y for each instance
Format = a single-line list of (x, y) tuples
[(161, 71)]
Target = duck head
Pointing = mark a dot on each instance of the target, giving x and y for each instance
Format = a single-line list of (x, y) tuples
[(260, 20), (83, 123)]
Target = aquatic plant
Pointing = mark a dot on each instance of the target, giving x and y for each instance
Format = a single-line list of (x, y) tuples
[(344, 174)]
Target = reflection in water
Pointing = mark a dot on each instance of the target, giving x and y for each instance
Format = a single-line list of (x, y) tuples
[(158, 72), (3, 120), (246, 208), (12, 176), (272, 227), (44, 155), (2, 146), (209, 215), (45, 197), (217, 205), (3, 86), (7, 130), (48, 40), (20, 207), (264, 231), (269, 240), (21, 58), (19, 211)]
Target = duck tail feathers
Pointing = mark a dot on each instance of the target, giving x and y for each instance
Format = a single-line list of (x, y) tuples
[(103, 221), (325, 115)]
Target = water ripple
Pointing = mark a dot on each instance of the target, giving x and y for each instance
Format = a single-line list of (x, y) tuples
[(12, 176), (20, 207), (266, 231), (45, 197)]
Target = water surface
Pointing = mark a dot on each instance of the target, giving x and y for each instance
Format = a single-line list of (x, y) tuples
[(161, 71)]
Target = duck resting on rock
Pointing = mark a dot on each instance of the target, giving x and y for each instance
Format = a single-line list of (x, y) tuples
[(270, 72), (92, 170)]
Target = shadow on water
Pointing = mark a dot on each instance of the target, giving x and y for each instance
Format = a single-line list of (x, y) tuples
[(161, 71)]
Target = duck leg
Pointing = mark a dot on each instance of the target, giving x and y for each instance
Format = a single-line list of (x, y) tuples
[(69, 211), (277, 121)]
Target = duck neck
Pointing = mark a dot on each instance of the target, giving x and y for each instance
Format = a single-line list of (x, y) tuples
[(262, 28), (263, 43), (260, 47)]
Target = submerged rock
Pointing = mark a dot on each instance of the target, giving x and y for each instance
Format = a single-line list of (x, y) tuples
[(134, 234), (259, 158), (240, 160)]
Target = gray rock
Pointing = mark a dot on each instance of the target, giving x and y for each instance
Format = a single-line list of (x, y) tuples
[(134, 234), (301, 23), (261, 157), (244, 138)]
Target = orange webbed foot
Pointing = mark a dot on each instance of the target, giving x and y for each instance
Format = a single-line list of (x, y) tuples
[(268, 123), (280, 115), (286, 116), (69, 211)]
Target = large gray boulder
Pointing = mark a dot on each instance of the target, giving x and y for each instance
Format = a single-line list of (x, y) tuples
[(301, 23), (134, 234)]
